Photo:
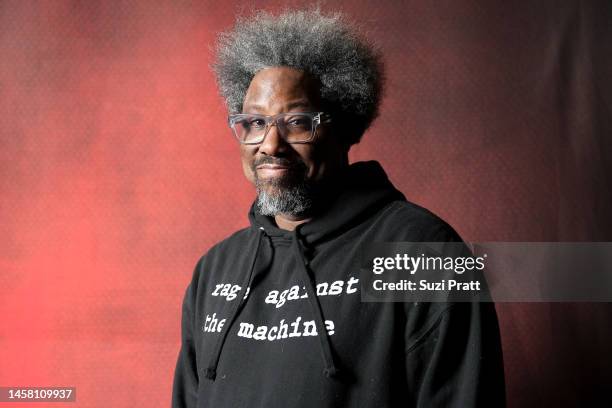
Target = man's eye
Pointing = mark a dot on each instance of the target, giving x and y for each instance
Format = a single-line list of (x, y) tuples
[(298, 121), (256, 123)]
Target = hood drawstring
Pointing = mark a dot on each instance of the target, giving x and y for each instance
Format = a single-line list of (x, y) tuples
[(211, 370), (328, 359)]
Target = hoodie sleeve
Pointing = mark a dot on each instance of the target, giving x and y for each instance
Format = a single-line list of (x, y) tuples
[(457, 360), (185, 387)]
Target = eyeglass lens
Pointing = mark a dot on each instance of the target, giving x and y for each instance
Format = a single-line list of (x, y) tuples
[(292, 127)]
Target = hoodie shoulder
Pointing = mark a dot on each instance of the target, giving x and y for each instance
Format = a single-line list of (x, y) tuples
[(234, 242), (219, 258), (414, 223)]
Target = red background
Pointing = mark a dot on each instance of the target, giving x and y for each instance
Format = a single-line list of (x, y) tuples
[(117, 171)]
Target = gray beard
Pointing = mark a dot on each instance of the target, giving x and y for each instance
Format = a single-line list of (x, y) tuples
[(275, 198)]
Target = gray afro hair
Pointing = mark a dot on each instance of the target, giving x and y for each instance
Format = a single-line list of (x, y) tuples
[(348, 68)]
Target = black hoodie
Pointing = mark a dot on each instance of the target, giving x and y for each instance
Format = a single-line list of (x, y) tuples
[(274, 318)]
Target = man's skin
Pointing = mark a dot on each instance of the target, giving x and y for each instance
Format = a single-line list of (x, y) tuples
[(278, 90)]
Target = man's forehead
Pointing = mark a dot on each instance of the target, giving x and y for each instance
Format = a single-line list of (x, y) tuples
[(287, 87)]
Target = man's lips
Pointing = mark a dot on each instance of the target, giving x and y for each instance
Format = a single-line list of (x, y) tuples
[(271, 170), (272, 166)]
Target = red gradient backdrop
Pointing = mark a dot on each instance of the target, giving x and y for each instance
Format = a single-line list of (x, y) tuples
[(117, 171)]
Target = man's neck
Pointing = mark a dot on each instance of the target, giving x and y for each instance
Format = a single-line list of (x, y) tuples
[(289, 223)]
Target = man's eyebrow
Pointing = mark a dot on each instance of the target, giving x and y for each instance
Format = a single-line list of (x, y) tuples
[(299, 104), (302, 103)]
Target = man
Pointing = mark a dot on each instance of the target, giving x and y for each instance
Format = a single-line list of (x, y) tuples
[(273, 316)]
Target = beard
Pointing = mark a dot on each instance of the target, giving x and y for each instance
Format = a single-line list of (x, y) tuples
[(289, 194)]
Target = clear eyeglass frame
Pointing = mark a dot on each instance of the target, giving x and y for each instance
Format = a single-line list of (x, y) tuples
[(316, 118)]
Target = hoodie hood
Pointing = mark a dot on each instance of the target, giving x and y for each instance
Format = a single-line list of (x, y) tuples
[(364, 190)]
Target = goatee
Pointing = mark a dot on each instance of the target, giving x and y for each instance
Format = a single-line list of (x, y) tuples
[(290, 194)]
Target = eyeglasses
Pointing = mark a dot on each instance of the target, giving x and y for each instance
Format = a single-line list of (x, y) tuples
[(293, 127)]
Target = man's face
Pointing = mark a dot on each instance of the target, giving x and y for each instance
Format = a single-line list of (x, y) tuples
[(277, 168)]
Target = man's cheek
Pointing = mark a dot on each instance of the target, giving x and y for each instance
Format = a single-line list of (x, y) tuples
[(248, 171), (313, 171)]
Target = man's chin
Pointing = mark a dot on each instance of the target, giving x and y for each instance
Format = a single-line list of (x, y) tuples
[(272, 189), (273, 199)]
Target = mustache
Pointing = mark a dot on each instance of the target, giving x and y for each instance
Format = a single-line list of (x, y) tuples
[(279, 161)]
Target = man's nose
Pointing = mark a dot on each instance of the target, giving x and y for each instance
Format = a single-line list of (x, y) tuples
[(273, 144)]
